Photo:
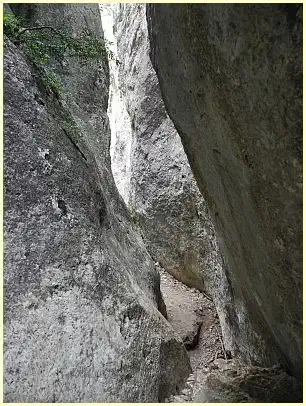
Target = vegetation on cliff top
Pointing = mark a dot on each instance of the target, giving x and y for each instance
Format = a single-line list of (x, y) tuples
[(42, 43), (45, 43)]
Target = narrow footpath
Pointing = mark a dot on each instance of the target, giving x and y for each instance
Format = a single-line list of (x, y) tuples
[(195, 320), (214, 379)]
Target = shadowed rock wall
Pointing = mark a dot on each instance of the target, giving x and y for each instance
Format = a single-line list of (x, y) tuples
[(151, 169), (230, 76)]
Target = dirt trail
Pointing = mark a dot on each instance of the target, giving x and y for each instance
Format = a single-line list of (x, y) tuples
[(188, 311), (214, 379)]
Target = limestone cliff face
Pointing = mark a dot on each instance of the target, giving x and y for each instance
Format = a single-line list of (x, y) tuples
[(230, 76), (151, 169), (159, 188), (81, 292), (120, 121)]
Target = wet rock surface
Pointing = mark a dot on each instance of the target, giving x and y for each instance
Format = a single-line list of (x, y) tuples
[(230, 77), (81, 292)]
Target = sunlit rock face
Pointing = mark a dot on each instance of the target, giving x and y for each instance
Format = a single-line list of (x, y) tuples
[(158, 186), (81, 292), (230, 77), (119, 118)]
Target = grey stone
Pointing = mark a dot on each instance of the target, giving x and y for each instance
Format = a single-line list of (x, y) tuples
[(159, 189), (151, 169), (230, 77), (236, 383), (81, 292)]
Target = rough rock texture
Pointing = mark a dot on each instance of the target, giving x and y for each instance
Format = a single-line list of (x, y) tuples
[(151, 170), (159, 187), (81, 292), (185, 308), (213, 378), (195, 320), (120, 121), (230, 76), (231, 382)]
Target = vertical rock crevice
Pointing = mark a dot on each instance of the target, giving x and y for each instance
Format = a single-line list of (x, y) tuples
[(159, 188), (83, 307)]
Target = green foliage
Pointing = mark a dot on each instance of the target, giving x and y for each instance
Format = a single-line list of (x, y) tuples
[(42, 43), (11, 24), (37, 50), (45, 43)]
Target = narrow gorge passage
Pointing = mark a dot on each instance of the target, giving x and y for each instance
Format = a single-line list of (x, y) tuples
[(154, 179), (153, 203), (132, 112)]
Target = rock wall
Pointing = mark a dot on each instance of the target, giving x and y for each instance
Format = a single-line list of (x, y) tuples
[(232, 382), (81, 292), (119, 118), (230, 77), (159, 188), (151, 169)]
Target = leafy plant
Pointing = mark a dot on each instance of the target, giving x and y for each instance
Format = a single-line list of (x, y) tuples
[(11, 24), (44, 42)]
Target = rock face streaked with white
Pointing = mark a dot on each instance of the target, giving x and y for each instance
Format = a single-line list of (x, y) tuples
[(119, 119), (81, 292), (159, 188)]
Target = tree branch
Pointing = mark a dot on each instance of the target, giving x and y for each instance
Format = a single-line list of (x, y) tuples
[(38, 28)]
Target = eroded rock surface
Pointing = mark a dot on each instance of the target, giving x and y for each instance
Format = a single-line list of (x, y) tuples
[(81, 292), (231, 382), (230, 77), (150, 167), (216, 377)]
